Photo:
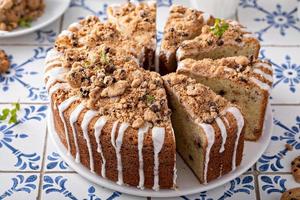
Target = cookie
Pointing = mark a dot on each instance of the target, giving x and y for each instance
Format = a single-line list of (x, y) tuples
[(4, 62), (296, 169), (292, 194)]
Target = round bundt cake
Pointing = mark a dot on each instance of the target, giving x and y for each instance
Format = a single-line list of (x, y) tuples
[(116, 117)]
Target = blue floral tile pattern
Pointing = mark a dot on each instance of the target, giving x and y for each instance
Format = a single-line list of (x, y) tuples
[(274, 22), (278, 157), (286, 69), (272, 186), (24, 75), (15, 139), (30, 166), (63, 186), (19, 186)]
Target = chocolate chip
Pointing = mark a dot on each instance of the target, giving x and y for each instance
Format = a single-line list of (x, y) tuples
[(191, 158), (172, 29), (154, 108), (222, 92), (238, 40), (293, 163), (220, 42), (110, 69), (295, 170), (209, 42), (298, 165), (84, 93)]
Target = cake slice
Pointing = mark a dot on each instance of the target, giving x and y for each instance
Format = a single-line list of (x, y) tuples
[(182, 24), (240, 80), (225, 39), (137, 21), (208, 128)]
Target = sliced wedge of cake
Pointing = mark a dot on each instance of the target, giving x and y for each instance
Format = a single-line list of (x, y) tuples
[(225, 39), (208, 128), (240, 80), (137, 21), (182, 24)]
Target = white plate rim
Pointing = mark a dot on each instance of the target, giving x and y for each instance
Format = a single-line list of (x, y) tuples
[(262, 144), (40, 24)]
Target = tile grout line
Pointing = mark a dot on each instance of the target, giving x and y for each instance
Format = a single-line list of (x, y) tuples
[(43, 164), (257, 189)]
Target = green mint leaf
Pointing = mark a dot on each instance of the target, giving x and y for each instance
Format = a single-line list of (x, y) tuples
[(150, 99), (104, 58), (219, 27), (24, 23)]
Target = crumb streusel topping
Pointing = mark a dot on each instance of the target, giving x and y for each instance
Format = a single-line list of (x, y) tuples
[(4, 62), (202, 103)]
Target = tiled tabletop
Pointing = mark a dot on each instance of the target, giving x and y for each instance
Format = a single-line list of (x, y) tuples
[(30, 167)]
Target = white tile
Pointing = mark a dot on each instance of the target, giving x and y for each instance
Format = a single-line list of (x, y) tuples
[(23, 82), (240, 188), (286, 69), (53, 161), (45, 36), (63, 185), (286, 129), (21, 144), (272, 186), (274, 22), (16, 186)]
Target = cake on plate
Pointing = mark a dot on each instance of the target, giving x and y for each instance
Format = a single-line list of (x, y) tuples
[(137, 21), (182, 24), (14, 13), (208, 128), (116, 117), (240, 80)]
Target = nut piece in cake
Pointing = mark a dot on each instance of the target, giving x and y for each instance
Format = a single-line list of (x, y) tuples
[(240, 80), (4, 62), (182, 24), (14, 13), (296, 169), (208, 128), (225, 39), (137, 21)]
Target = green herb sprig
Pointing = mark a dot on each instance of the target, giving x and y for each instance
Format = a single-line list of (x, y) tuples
[(219, 27), (150, 99), (104, 58), (24, 23), (10, 113)]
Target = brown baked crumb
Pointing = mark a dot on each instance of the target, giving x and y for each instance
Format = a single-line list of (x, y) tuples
[(4, 62)]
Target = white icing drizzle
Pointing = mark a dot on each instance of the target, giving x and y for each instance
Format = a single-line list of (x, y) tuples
[(210, 135), (263, 65), (240, 124), (55, 72), (61, 108), (260, 84), (141, 133), (158, 137), (117, 145), (56, 87), (263, 74), (66, 33), (52, 64), (223, 133), (52, 55), (73, 118), (226, 121), (100, 123), (180, 65), (88, 116), (55, 75)]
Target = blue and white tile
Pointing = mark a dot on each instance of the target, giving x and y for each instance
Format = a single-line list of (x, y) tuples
[(286, 69), (240, 188), (274, 22), (23, 82), (45, 36), (65, 186), (53, 161), (272, 186), (21, 145), (286, 130), (19, 186)]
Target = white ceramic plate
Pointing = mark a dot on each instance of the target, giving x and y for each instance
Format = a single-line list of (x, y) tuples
[(186, 180), (53, 10)]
